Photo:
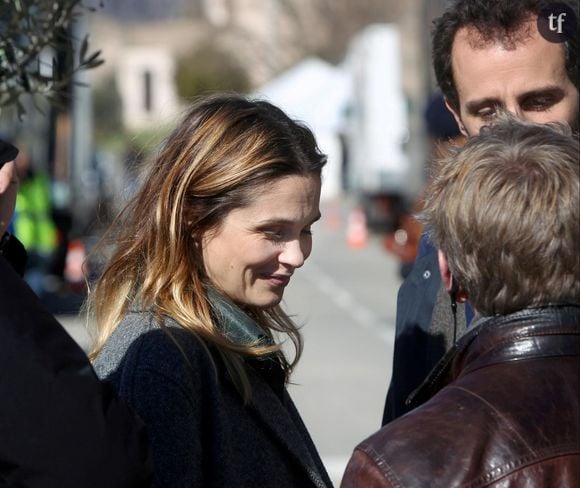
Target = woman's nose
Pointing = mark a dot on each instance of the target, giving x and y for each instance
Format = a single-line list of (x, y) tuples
[(293, 255)]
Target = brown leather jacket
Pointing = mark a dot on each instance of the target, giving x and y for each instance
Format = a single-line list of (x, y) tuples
[(501, 409)]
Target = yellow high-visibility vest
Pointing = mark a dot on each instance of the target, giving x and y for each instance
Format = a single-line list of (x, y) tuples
[(33, 224)]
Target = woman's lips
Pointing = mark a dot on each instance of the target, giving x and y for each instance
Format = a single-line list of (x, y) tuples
[(278, 280)]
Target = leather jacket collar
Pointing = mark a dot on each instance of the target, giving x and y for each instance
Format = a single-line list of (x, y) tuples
[(534, 332)]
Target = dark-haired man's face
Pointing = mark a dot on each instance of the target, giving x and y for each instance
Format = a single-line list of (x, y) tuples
[(528, 79)]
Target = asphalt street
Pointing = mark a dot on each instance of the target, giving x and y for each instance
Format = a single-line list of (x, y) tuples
[(344, 298)]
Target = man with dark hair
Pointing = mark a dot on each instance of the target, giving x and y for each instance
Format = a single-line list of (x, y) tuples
[(476, 45), (488, 56), (502, 408), (59, 426)]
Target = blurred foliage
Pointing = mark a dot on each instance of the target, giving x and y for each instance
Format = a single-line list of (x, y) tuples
[(109, 130), (149, 140), (107, 111), (326, 27), (209, 69), (37, 50)]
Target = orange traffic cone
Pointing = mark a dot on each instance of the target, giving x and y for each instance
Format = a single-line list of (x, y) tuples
[(75, 257), (356, 230)]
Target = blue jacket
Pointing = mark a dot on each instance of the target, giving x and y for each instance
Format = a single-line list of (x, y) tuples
[(418, 347)]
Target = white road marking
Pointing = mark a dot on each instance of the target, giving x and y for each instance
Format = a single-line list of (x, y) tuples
[(345, 300)]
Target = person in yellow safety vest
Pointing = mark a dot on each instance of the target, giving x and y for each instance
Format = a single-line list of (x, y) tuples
[(33, 224)]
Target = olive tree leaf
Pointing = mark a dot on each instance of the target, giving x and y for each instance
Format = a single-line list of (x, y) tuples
[(29, 27)]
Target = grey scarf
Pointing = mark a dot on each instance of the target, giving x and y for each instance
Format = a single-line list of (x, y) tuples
[(237, 325)]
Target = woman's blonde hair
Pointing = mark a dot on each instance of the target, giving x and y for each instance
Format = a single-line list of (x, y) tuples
[(226, 150)]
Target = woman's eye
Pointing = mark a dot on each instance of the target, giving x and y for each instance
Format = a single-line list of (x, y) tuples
[(280, 236), (274, 235)]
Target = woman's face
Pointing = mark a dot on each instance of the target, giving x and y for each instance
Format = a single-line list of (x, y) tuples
[(256, 249)]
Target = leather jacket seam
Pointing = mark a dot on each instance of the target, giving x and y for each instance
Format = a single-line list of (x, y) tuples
[(382, 464), (523, 462)]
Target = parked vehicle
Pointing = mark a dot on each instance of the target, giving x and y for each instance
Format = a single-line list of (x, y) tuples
[(377, 126)]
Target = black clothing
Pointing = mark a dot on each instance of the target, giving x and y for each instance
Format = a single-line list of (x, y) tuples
[(202, 434), (7, 152), (59, 426)]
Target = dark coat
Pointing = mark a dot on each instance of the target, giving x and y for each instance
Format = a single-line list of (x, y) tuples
[(424, 329), (59, 426), (501, 409), (201, 433)]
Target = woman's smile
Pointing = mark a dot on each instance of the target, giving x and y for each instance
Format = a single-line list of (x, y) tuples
[(257, 248)]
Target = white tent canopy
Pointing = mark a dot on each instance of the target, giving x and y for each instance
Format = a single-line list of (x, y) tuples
[(313, 91), (316, 93)]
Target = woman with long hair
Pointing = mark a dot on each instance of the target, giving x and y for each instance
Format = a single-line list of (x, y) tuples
[(189, 326)]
